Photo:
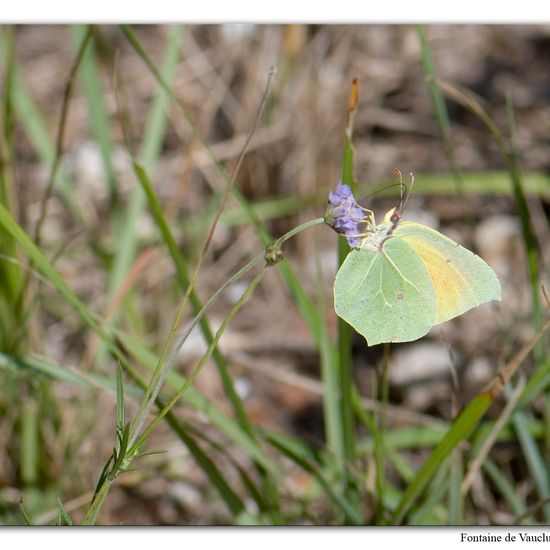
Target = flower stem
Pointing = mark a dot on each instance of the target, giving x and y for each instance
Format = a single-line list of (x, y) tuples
[(136, 439), (165, 363), (176, 397)]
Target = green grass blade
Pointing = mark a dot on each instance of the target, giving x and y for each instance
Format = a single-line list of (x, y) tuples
[(475, 183), (485, 439), (379, 446), (63, 517), (399, 462), (97, 112), (433, 184), (464, 425), (30, 444), (442, 116), (11, 275), (459, 430), (529, 237), (197, 401), (352, 515), (140, 435), (345, 332), (45, 267), (424, 514), (304, 303), (537, 466), (331, 389), (407, 437), (11, 226), (155, 128), (126, 245), (51, 370), (537, 383), (511, 159), (38, 134), (183, 280), (506, 489), (26, 518), (234, 503), (438, 99), (455, 496), (119, 399)]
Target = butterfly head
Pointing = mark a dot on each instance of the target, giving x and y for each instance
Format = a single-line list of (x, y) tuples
[(392, 216)]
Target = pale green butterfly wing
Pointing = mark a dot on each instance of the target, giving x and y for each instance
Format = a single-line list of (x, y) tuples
[(386, 295), (461, 279)]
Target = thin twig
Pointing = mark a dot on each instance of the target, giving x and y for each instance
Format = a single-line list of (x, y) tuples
[(60, 137), (274, 371), (69, 506), (477, 463), (53, 172), (177, 396)]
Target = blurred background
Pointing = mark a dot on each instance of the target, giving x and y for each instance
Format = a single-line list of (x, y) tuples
[(56, 433)]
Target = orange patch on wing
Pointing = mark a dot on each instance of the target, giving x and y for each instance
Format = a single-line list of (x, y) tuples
[(452, 293)]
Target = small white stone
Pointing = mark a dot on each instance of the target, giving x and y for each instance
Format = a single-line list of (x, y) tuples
[(243, 387), (424, 217), (480, 371), (234, 32), (186, 494), (418, 362), (496, 236), (234, 292)]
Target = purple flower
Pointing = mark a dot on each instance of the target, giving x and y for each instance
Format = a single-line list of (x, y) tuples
[(344, 215)]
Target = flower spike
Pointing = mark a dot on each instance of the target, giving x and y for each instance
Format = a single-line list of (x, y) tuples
[(345, 216)]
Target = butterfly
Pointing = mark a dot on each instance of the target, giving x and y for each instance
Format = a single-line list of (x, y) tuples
[(401, 278)]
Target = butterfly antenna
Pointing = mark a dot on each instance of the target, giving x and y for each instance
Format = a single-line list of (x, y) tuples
[(395, 218), (409, 191), (405, 194), (399, 176)]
